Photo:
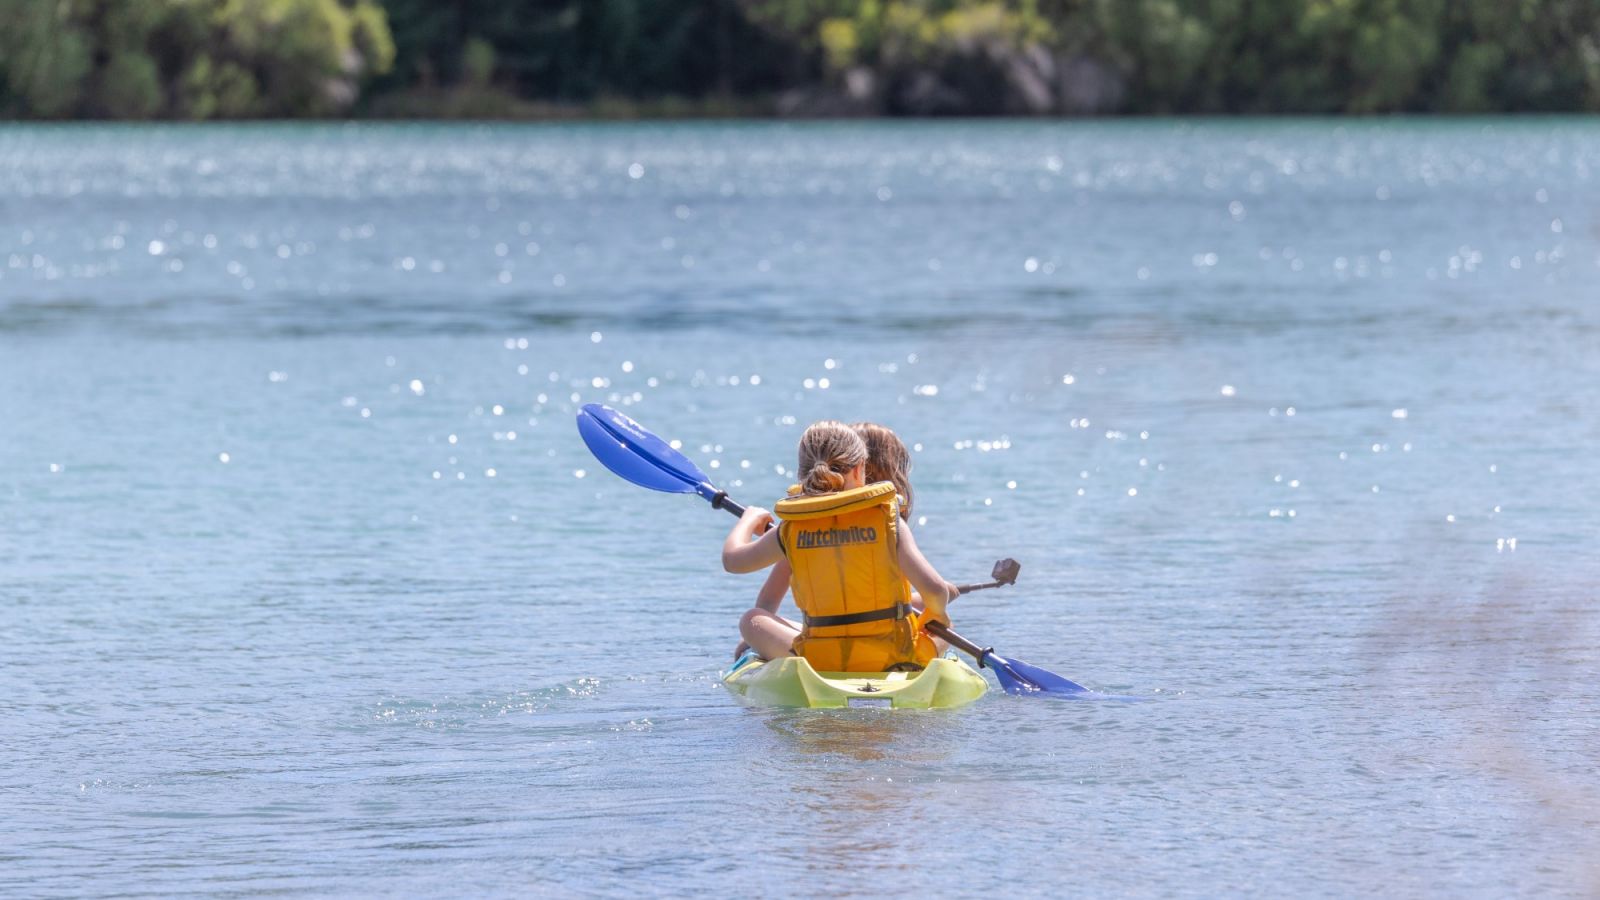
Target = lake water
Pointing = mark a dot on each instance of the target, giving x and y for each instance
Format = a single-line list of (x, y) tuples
[(308, 585)]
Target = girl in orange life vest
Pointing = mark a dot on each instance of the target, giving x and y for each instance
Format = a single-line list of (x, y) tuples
[(851, 557), (887, 460)]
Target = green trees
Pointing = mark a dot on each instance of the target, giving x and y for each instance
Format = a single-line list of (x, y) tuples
[(45, 62), (133, 59), (204, 59), (934, 57), (1207, 56), (1355, 56), (578, 51)]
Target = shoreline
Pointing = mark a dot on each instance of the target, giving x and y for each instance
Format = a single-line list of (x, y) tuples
[(595, 115)]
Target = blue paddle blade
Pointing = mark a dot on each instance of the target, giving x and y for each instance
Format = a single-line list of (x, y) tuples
[(1020, 678), (626, 448)]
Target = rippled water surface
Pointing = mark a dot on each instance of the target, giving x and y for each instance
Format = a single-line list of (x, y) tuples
[(307, 584)]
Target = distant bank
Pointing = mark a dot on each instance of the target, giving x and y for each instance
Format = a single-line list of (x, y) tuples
[(223, 59)]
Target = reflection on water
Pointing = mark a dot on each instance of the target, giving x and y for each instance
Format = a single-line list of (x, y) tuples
[(861, 735)]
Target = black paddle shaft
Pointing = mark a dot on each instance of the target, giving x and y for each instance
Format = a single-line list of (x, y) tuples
[(722, 501), (941, 630)]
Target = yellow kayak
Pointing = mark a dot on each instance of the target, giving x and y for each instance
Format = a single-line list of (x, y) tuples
[(792, 682)]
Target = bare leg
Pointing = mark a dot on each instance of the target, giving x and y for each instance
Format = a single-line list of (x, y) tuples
[(770, 635), (745, 645)]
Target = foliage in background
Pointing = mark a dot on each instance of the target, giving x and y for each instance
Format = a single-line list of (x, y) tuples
[(236, 58), (197, 59), (584, 51)]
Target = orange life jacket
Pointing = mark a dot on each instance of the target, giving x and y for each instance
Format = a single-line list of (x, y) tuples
[(843, 549)]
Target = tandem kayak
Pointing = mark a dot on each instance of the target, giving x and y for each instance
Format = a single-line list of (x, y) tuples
[(792, 682)]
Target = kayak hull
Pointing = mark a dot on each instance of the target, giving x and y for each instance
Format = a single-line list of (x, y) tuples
[(791, 682)]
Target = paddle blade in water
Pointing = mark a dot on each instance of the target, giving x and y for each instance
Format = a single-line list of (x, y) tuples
[(1020, 678), (626, 448)]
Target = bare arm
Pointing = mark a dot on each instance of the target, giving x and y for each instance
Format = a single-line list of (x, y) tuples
[(935, 591), (743, 551), (776, 586)]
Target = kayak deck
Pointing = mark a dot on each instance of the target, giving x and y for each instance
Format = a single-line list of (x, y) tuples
[(792, 682)]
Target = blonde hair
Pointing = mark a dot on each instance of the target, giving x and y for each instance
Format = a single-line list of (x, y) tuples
[(887, 460), (828, 450)]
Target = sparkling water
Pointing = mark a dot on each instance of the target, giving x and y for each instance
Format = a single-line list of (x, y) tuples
[(308, 585)]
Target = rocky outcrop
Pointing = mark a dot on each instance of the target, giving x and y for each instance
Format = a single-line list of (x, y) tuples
[(857, 97), (1028, 81), (1086, 87)]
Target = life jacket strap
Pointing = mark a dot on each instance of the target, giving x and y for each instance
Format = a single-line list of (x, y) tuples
[(897, 611)]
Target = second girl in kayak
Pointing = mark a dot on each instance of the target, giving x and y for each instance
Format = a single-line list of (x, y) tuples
[(850, 555)]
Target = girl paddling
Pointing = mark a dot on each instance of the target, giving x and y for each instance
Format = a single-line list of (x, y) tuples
[(850, 556), (888, 459)]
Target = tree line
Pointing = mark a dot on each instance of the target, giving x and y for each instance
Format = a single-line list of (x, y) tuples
[(207, 59)]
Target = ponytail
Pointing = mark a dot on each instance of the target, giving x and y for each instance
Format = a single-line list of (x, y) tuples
[(828, 450), (822, 479)]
